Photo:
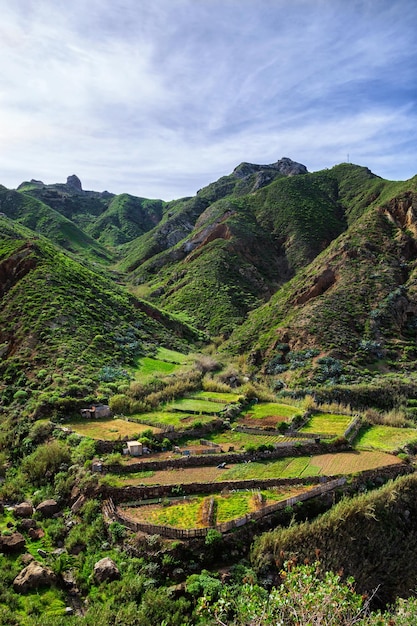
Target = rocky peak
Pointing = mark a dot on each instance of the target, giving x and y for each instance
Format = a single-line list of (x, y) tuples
[(74, 181), (284, 166)]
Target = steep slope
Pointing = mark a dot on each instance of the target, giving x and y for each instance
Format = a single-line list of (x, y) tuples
[(62, 323), (357, 300), (126, 218), (43, 219), (217, 259), (111, 220)]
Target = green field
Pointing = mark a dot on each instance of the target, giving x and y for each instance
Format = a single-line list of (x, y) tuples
[(108, 429), (239, 440), (385, 438), (199, 406), (217, 396), (327, 423), (172, 418), (150, 367), (261, 410), (165, 362), (188, 513)]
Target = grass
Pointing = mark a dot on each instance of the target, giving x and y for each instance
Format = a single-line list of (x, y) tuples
[(149, 368), (385, 438), (271, 409), (198, 406), (327, 423), (171, 418), (239, 440), (217, 396), (165, 354), (108, 429)]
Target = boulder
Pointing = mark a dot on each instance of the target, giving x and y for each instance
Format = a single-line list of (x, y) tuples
[(26, 524), (24, 509), (36, 533), (33, 576), (27, 558), (12, 543), (47, 508), (105, 570)]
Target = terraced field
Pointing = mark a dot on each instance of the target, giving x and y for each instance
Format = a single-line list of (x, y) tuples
[(268, 414), (385, 438), (288, 467), (172, 418), (327, 423), (240, 440), (108, 429), (197, 405), (188, 513)]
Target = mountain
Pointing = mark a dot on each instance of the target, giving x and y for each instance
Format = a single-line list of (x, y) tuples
[(62, 323), (292, 268)]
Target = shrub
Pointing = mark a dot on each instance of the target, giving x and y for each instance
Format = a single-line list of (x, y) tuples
[(213, 537), (120, 404), (45, 461), (205, 363)]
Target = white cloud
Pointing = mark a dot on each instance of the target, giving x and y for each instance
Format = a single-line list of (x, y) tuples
[(163, 97)]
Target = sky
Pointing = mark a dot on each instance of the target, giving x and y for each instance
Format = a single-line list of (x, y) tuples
[(158, 98)]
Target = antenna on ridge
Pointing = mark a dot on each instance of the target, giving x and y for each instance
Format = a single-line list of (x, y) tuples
[(348, 158)]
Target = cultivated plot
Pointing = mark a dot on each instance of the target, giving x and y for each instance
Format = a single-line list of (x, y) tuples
[(327, 423), (385, 438)]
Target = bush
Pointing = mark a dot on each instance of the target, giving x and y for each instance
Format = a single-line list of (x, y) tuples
[(45, 461)]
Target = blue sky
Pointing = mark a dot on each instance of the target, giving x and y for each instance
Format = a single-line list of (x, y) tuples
[(160, 97)]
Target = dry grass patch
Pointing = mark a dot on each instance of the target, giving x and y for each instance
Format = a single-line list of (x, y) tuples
[(109, 429)]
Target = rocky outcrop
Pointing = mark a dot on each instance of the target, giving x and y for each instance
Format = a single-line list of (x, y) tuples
[(105, 570), (16, 266), (47, 508), (12, 543), (25, 509), (321, 284), (74, 182), (33, 576), (285, 166)]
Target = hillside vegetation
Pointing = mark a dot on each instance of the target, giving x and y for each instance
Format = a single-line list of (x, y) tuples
[(253, 340)]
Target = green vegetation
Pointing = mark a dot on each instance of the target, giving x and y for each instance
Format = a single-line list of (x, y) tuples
[(327, 423), (385, 438), (196, 405), (306, 285)]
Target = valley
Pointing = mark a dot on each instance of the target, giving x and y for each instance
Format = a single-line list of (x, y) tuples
[(254, 351)]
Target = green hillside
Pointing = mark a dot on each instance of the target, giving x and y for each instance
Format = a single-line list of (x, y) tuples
[(61, 324), (43, 219)]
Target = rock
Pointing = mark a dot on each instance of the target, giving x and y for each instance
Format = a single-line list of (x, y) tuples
[(12, 543), (47, 508), (80, 501), (27, 558), (36, 533), (26, 524), (25, 509), (42, 553), (33, 576), (105, 570), (75, 182)]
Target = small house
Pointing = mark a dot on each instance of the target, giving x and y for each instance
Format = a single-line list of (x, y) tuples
[(135, 448), (96, 411)]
